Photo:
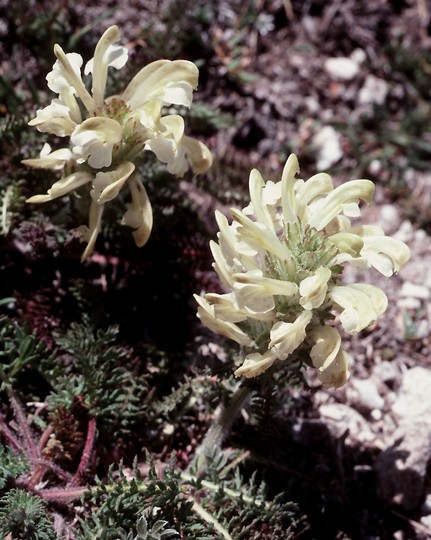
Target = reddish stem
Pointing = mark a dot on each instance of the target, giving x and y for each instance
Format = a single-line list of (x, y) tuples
[(86, 453), (31, 447), (62, 494), (46, 464), (44, 437), (9, 436)]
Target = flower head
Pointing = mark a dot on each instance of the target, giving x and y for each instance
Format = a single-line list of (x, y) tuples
[(109, 134), (281, 260)]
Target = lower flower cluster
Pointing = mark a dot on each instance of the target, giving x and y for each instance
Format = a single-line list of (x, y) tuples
[(281, 260)]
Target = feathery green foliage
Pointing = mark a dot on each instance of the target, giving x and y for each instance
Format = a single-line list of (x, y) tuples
[(24, 516), (240, 506), (157, 532), (221, 502), (100, 373), (124, 496), (19, 349), (11, 465)]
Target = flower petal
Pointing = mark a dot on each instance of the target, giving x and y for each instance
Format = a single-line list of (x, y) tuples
[(166, 144), (331, 205), (198, 154), (66, 73), (255, 364), (256, 184), (63, 186), (55, 119), (328, 358), (91, 232), (226, 307), (94, 140), (314, 288), (255, 292), (286, 337), (50, 160), (207, 316), (105, 55), (172, 82), (362, 305), (139, 214), (258, 235), (107, 185), (307, 192), (291, 168)]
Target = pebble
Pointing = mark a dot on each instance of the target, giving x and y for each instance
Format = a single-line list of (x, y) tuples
[(327, 141), (389, 215), (340, 418), (414, 399), (411, 290), (363, 395), (405, 232), (409, 303), (386, 371), (374, 90), (342, 68)]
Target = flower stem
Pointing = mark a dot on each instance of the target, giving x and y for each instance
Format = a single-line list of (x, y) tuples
[(225, 416)]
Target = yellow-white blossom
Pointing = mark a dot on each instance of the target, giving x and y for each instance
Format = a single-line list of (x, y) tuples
[(327, 356), (109, 134), (281, 261)]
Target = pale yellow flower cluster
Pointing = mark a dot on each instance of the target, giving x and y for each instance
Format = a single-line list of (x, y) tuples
[(108, 135), (281, 260)]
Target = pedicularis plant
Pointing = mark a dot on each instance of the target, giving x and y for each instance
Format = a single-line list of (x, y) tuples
[(108, 135), (280, 260)]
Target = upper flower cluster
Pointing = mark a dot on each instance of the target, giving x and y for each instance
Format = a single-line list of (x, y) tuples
[(107, 135), (281, 260)]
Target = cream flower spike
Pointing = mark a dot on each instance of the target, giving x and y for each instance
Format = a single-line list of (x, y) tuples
[(110, 135), (281, 260)]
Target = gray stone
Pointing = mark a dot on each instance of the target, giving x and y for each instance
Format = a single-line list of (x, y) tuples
[(414, 400), (364, 395), (340, 418), (411, 290), (401, 468)]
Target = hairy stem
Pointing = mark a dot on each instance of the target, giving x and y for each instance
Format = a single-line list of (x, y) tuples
[(224, 418), (86, 454)]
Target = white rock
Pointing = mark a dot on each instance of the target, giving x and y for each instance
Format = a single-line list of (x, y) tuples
[(340, 418), (363, 394), (327, 141), (401, 468), (376, 415), (312, 104), (359, 56), (426, 522), (422, 329), (420, 235), (411, 290), (426, 505), (389, 215), (386, 371), (405, 232), (414, 399), (374, 90), (375, 166), (409, 303), (342, 68)]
